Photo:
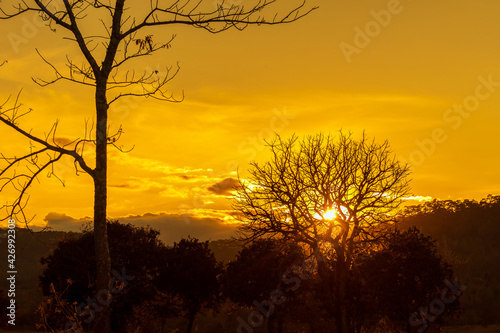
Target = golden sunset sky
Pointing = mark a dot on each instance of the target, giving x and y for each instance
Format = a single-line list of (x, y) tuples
[(424, 75)]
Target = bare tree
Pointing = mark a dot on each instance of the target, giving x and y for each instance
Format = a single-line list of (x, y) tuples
[(332, 195), (103, 56)]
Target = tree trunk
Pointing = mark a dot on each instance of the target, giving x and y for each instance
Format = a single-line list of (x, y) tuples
[(327, 289), (103, 259), (192, 315), (281, 324), (341, 276), (276, 323), (312, 327), (267, 325)]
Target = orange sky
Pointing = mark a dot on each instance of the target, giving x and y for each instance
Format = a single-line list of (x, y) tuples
[(422, 74)]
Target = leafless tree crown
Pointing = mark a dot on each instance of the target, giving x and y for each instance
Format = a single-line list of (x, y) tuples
[(288, 196), (123, 37)]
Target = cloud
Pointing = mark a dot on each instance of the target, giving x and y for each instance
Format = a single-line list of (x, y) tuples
[(63, 222), (419, 198), (225, 187), (156, 166), (71, 142), (172, 227), (63, 141), (120, 185)]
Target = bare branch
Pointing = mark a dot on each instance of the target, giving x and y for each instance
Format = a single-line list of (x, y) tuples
[(120, 45), (146, 47), (149, 86), (217, 20), (34, 163), (11, 121), (19, 9), (292, 194), (87, 74)]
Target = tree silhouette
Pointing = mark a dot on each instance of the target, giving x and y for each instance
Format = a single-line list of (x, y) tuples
[(136, 252), (294, 195), (258, 269), (401, 277), (467, 233), (257, 272), (119, 42), (190, 272)]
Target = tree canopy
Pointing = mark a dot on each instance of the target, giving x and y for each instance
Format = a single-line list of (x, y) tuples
[(291, 195), (335, 195), (71, 270), (106, 54), (191, 273), (401, 278)]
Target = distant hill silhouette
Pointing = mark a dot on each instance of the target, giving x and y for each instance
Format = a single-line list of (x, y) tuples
[(29, 250), (224, 250), (467, 234), (31, 247)]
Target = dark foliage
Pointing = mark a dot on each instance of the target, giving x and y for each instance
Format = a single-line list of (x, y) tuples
[(136, 251), (401, 278), (258, 270), (271, 271), (468, 236), (190, 273)]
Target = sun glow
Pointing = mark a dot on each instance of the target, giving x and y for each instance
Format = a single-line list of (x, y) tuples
[(333, 214), (330, 214)]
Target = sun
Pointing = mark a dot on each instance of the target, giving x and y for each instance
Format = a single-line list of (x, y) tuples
[(330, 214)]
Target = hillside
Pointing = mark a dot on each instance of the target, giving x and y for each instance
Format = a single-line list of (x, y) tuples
[(30, 247), (468, 237), (467, 234)]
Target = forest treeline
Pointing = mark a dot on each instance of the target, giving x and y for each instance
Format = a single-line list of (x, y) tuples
[(266, 277), (468, 237)]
